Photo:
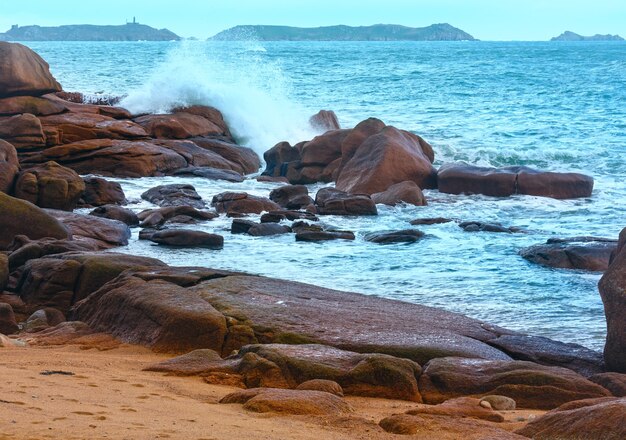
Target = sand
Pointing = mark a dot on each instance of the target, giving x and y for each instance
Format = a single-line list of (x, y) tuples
[(110, 397)]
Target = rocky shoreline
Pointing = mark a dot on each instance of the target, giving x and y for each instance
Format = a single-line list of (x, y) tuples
[(294, 348)]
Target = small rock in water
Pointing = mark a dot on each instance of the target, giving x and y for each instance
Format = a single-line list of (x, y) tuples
[(430, 221), (404, 236), (487, 227), (187, 238), (174, 195)]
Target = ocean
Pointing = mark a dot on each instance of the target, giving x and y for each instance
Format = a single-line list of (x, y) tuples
[(554, 106)]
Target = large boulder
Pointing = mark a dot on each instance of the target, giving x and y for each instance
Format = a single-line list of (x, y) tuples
[(404, 192), (25, 132), (384, 159), (151, 218), (60, 281), (291, 196), (331, 201), (241, 159), (102, 233), (211, 114), (39, 224), (459, 178), (156, 314), (50, 185), (288, 366), (278, 158), (235, 203), (584, 253), (174, 195), (180, 125), (8, 325), (613, 292), (24, 250), (109, 157), (100, 192), (530, 385), (24, 72), (588, 419), (9, 166)]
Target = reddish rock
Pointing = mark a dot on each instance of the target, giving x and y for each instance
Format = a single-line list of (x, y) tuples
[(178, 126), (320, 236), (24, 249), (25, 132), (357, 136), (156, 314), (241, 159), (612, 288), (8, 325), (292, 196), (100, 192), (530, 385), (211, 114), (74, 102), (39, 225), (187, 238), (43, 319), (424, 425), (157, 217), (588, 419), (403, 192), (614, 382), (299, 402), (4, 271), (325, 120), (174, 195), (50, 185), (323, 149), (278, 157), (331, 201), (460, 407), (210, 173), (75, 127), (242, 203), (384, 159), (326, 386), (502, 182), (24, 72), (113, 158), (9, 166), (268, 229), (16, 105), (114, 212), (93, 231), (587, 254)]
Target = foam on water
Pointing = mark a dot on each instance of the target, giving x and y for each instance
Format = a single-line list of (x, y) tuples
[(252, 93)]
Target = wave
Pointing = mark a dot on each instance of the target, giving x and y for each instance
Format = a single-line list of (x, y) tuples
[(250, 90)]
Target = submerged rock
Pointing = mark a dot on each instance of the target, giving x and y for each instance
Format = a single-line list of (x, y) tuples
[(585, 253), (187, 238), (476, 226), (404, 236)]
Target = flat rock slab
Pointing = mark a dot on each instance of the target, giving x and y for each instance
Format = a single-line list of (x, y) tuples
[(100, 232), (592, 255), (289, 312), (530, 385), (588, 419), (288, 366)]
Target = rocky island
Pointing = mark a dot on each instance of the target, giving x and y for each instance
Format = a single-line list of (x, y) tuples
[(571, 36), (87, 32), (378, 32), (102, 344)]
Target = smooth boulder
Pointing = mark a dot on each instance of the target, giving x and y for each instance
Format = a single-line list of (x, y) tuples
[(24, 72), (235, 203), (584, 253), (100, 192), (174, 195), (404, 192), (331, 201), (187, 238), (9, 166), (50, 185), (298, 402)]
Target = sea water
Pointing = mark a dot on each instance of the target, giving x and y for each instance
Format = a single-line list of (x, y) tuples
[(555, 106)]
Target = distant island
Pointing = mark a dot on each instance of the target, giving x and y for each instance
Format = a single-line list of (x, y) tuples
[(88, 32), (379, 32), (571, 36)]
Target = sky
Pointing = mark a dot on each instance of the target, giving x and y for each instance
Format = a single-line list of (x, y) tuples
[(485, 19)]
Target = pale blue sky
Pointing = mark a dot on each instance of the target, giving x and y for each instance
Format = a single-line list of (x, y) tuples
[(485, 19)]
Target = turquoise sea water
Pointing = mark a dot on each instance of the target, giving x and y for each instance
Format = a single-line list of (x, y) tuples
[(557, 106)]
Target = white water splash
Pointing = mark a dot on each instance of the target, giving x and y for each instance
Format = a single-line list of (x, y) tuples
[(251, 92)]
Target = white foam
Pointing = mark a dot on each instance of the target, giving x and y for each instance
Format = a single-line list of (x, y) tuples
[(251, 92)]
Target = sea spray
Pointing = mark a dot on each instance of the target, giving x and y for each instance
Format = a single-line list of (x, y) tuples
[(251, 91)]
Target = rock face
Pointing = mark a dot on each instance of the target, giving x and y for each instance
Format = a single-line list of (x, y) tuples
[(17, 105), (385, 159), (588, 419), (404, 192), (50, 185), (157, 314), (456, 178), (9, 166), (614, 382), (530, 385), (24, 72), (585, 253), (288, 366), (299, 402), (39, 225), (179, 125), (22, 131), (613, 292)]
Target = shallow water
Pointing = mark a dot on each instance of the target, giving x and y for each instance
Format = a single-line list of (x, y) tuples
[(558, 106)]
